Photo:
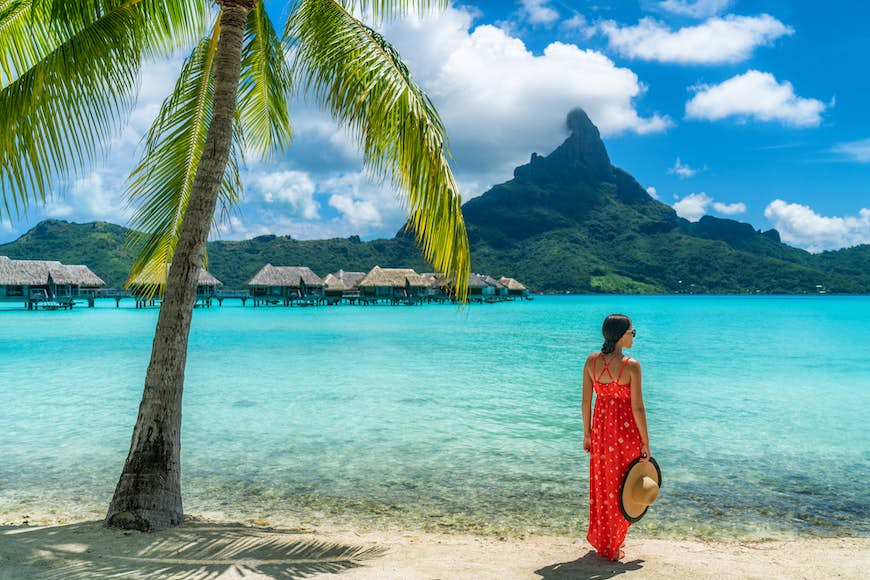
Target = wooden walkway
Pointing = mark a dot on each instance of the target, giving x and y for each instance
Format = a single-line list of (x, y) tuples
[(207, 301)]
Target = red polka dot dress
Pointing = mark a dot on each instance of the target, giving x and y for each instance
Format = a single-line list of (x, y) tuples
[(616, 442)]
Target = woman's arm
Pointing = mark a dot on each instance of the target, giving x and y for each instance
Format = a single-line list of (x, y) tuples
[(637, 408), (586, 405)]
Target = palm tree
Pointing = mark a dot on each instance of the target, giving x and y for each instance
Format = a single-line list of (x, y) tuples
[(68, 79)]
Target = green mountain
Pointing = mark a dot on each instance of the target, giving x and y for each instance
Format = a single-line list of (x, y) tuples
[(101, 246), (567, 222), (571, 221)]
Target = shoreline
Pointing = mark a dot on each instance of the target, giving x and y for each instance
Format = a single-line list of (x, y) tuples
[(381, 522), (233, 550)]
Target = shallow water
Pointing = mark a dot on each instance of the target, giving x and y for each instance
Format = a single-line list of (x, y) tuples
[(434, 418)]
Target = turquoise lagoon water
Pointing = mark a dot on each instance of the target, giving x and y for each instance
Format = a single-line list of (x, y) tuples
[(459, 420)]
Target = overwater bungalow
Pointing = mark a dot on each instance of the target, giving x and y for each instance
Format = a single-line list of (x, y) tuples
[(514, 288), (148, 286), (479, 289), (47, 283), (499, 290), (286, 284), (393, 285), (437, 288), (342, 285)]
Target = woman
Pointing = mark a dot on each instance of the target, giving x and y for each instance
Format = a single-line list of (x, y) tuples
[(616, 435)]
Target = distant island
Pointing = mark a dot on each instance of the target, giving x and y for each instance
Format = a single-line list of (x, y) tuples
[(567, 222)]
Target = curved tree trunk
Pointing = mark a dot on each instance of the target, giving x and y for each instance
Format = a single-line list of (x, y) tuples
[(148, 494)]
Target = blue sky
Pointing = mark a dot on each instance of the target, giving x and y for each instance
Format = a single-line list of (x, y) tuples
[(750, 110)]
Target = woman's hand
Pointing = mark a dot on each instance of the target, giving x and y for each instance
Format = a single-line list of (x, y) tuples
[(645, 453), (587, 444)]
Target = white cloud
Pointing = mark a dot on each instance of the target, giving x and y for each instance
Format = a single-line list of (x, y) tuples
[(93, 199), (364, 205), (755, 95), (314, 124), (696, 9), (56, 207), (235, 228), (357, 212), (800, 225), (500, 101), (294, 188), (683, 170), (537, 12), (156, 82), (695, 205), (729, 208), (577, 23), (652, 192), (728, 39), (87, 200), (258, 223), (854, 150)]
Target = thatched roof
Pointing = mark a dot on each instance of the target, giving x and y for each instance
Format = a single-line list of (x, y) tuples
[(477, 281), (434, 280), (493, 282), (25, 272), (285, 276), (37, 273), (158, 278), (392, 277), (333, 283), (206, 279), (76, 275), (342, 280), (511, 283), (474, 281)]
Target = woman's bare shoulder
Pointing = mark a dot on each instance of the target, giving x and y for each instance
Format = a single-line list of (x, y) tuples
[(632, 364), (590, 360)]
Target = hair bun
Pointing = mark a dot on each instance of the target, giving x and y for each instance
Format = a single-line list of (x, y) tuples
[(608, 347)]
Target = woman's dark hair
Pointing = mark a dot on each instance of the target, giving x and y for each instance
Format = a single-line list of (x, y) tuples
[(614, 327)]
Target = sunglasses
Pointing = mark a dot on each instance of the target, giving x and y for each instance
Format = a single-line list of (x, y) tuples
[(632, 331)]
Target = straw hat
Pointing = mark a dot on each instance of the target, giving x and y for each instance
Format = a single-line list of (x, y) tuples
[(640, 487)]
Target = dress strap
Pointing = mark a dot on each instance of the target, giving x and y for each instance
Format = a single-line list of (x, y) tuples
[(624, 363), (606, 367)]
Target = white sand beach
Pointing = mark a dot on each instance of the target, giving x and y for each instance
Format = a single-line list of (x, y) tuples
[(203, 549)]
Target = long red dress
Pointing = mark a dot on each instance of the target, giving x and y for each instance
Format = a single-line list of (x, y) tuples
[(616, 442)]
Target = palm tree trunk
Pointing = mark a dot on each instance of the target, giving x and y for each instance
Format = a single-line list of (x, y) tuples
[(148, 494)]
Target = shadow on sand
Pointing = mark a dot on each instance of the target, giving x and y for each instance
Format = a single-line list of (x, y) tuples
[(196, 550), (589, 566)]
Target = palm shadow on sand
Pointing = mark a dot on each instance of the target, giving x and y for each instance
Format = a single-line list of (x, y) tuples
[(589, 566), (196, 550)]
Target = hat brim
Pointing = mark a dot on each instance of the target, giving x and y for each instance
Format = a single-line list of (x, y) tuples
[(636, 517)]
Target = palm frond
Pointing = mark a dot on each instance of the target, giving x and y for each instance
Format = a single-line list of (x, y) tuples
[(57, 115), (25, 38), (390, 9), (165, 25), (363, 82), (160, 185), (264, 87), (70, 76)]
